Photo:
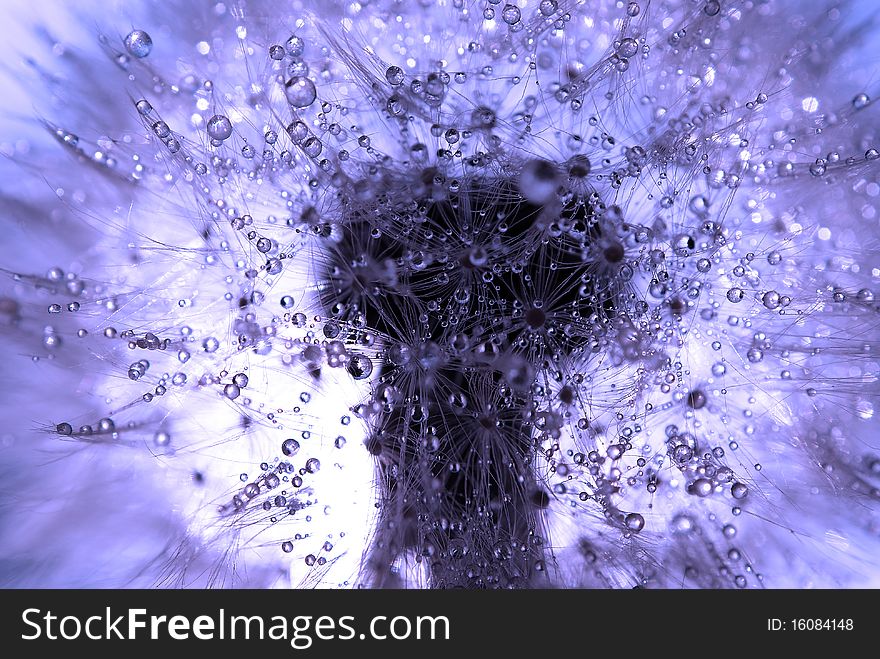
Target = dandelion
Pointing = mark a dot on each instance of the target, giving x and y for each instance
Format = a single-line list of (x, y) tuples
[(465, 294)]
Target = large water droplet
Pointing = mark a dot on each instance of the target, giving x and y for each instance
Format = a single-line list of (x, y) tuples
[(300, 92), (138, 43)]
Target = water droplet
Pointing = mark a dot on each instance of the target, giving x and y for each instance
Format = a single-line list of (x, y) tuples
[(312, 147), (770, 299), (219, 127), (300, 92), (739, 490), (702, 487), (735, 294), (634, 522), (138, 43), (627, 47), (548, 7), (861, 101), (394, 75), (579, 166), (360, 367), (696, 399), (682, 524), (295, 46), (510, 14), (161, 129)]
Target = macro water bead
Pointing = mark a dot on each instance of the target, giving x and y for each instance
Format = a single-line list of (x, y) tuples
[(394, 75), (627, 47), (219, 127), (511, 14), (138, 43), (300, 92)]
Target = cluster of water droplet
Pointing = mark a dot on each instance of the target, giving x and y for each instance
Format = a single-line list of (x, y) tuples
[(560, 273)]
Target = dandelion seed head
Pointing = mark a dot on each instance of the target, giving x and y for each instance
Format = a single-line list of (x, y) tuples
[(454, 295)]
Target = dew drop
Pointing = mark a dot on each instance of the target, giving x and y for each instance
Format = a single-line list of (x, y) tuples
[(627, 47), (634, 522), (739, 490), (138, 43), (394, 75), (360, 367), (295, 46), (219, 127), (300, 92), (735, 294), (548, 7), (313, 147), (702, 487), (861, 101), (510, 14), (770, 299)]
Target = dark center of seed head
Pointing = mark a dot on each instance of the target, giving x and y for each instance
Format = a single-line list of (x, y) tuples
[(540, 499), (614, 253), (535, 318)]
